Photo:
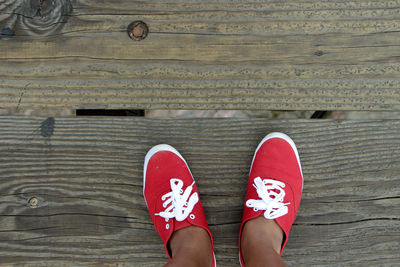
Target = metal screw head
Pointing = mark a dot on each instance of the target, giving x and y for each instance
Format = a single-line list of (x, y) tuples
[(138, 30), (33, 202)]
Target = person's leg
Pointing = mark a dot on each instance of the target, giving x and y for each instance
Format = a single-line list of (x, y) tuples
[(261, 242), (190, 246)]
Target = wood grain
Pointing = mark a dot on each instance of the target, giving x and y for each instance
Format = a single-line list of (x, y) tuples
[(71, 188), (291, 55)]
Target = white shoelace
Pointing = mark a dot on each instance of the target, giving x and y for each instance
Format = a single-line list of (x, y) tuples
[(270, 201), (179, 206)]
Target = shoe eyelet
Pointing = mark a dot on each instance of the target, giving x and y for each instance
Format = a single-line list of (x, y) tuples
[(164, 205), (181, 191), (255, 209), (167, 226), (192, 216)]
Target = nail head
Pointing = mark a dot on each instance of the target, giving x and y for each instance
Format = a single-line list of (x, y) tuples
[(138, 30)]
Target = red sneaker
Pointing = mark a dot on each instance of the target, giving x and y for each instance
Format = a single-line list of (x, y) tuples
[(275, 184), (171, 194)]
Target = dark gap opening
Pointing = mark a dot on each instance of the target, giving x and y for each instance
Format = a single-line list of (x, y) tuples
[(110, 112), (320, 114)]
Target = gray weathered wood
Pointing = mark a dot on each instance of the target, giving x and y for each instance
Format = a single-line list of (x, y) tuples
[(86, 176), (303, 55)]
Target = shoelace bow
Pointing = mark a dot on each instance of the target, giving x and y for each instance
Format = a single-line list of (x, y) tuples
[(271, 201), (179, 206)]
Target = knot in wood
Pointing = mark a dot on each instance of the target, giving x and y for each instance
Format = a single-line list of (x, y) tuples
[(33, 202), (47, 127), (138, 30), (41, 17)]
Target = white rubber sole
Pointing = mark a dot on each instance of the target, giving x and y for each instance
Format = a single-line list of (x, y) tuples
[(287, 139)]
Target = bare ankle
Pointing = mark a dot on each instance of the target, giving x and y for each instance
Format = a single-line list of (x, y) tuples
[(190, 245), (260, 236), (269, 257)]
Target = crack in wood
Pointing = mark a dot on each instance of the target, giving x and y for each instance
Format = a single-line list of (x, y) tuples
[(348, 222), (359, 200), (68, 214), (39, 9), (20, 97)]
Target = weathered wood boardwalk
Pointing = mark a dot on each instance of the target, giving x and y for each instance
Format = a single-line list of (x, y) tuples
[(303, 55), (71, 189)]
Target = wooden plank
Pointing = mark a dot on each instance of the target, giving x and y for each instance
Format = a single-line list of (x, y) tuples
[(291, 55), (71, 188)]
